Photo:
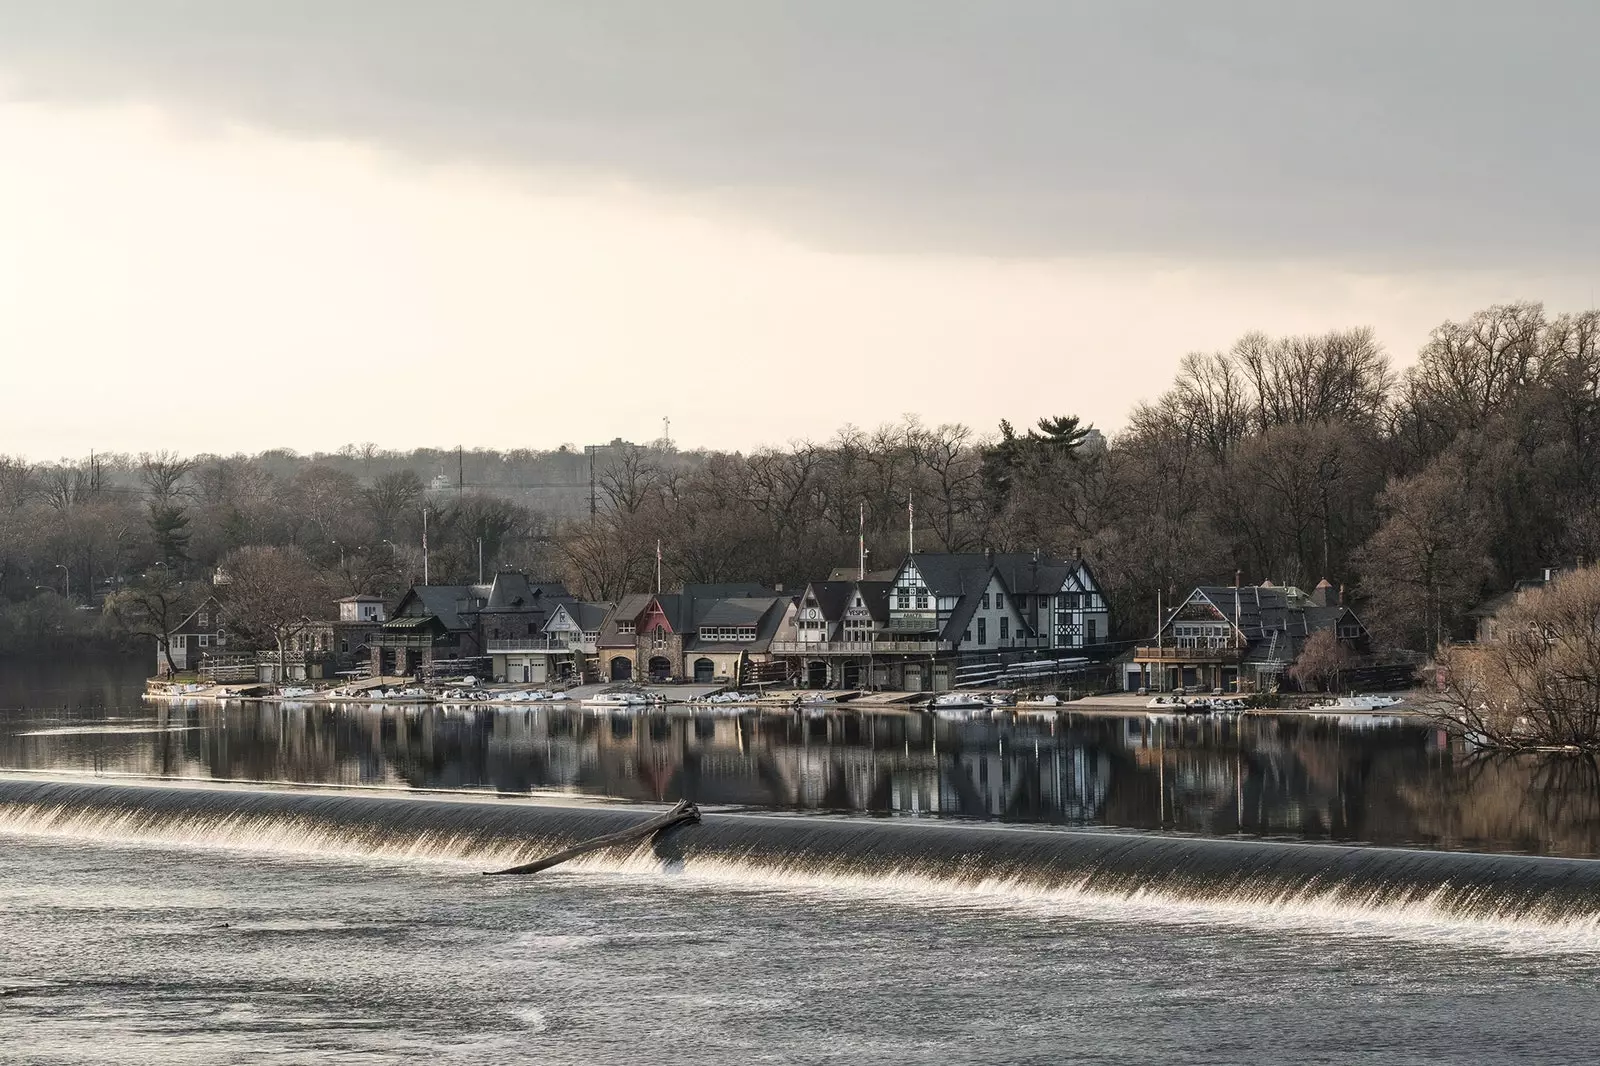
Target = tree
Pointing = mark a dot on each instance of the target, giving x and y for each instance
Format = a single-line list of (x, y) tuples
[(1535, 680), (169, 533), (391, 499), (162, 473), (272, 594), (1428, 560), (153, 606), (1321, 660)]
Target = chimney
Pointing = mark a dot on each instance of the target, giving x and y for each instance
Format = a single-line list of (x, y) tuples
[(988, 555), (1320, 594), (1238, 578), (1341, 594)]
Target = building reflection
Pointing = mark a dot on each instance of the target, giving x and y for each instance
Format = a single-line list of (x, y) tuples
[(1297, 777)]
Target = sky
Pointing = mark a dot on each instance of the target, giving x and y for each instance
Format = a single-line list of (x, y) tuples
[(518, 223)]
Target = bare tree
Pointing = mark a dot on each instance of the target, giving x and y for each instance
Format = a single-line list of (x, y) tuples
[(1322, 659), (1535, 680), (163, 473), (272, 595), (153, 606)]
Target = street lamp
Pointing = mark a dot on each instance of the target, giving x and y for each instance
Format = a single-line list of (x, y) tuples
[(66, 581)]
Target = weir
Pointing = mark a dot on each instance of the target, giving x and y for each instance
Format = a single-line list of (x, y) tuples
[(907, 857)]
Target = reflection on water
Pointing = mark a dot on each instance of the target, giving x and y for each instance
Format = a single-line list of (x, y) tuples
[(1388, 782)]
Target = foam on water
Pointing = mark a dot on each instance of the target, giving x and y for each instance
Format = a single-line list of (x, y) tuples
[(1519, 903)]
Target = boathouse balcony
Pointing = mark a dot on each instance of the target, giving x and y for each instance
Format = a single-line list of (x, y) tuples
[(540, 646), (1166, 653), (860, 647)]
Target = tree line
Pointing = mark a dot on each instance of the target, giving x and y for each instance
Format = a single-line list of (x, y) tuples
[(1282, 458)]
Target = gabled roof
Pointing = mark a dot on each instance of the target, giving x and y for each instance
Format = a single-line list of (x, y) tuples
[(1022, 573), (740, 611), (628, 609), (725, 590), (1267, 610), (442, 601), (832, 597), (588, 616), (512, 591), (766, 614), (848, 573), (875, 597), (211, 605)]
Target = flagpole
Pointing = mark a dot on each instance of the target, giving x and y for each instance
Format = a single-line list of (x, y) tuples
[(861, 544), (658, 566)]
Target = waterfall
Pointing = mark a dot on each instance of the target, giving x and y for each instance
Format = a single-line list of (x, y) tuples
[(1186, 878)]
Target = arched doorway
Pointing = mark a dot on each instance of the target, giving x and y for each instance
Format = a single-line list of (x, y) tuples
[(817, 674), (622, 668), (704, 670), (852, 675), (660, 668)]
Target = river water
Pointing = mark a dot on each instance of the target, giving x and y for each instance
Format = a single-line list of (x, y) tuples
[(863, 888)]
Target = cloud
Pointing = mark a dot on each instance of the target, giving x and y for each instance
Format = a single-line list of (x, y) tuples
[(1365, 134)]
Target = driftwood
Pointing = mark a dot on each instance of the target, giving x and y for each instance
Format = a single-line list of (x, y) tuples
[(684, 812)]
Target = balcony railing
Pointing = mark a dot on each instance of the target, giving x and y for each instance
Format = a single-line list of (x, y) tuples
[(1168, 653), (860, 647), (539, 645)]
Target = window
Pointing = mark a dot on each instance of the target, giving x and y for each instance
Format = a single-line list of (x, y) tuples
[(625, 628), (967, 636), (922, 599), (727, 633), (1005, 628), (222, 638), (984, 602), (902, 598), (983, 631), (205, 640), (1000, 599), (344, 646), (204, 619)]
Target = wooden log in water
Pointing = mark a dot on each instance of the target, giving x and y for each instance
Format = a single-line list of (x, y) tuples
[(683, 812)]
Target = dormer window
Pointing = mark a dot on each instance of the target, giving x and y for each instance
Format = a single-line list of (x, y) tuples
[(625, 628)]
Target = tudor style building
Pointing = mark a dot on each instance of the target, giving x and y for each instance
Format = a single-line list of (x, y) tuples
[(936, 610), (1231, 638)]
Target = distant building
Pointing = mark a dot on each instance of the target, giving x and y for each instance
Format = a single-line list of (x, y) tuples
[(451, 627), (1230, 638), (703, 633), (914, 629), (563, 649), (203, 633), (1483, 614)]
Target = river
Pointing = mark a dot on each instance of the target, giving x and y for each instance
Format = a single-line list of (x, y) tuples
[(864, 888)]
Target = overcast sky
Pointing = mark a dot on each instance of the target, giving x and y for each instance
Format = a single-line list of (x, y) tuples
[(511, 223)]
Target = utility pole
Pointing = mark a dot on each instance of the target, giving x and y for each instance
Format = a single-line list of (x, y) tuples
[(666, 431), (461, 472), (425, 546), (911, 526)]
